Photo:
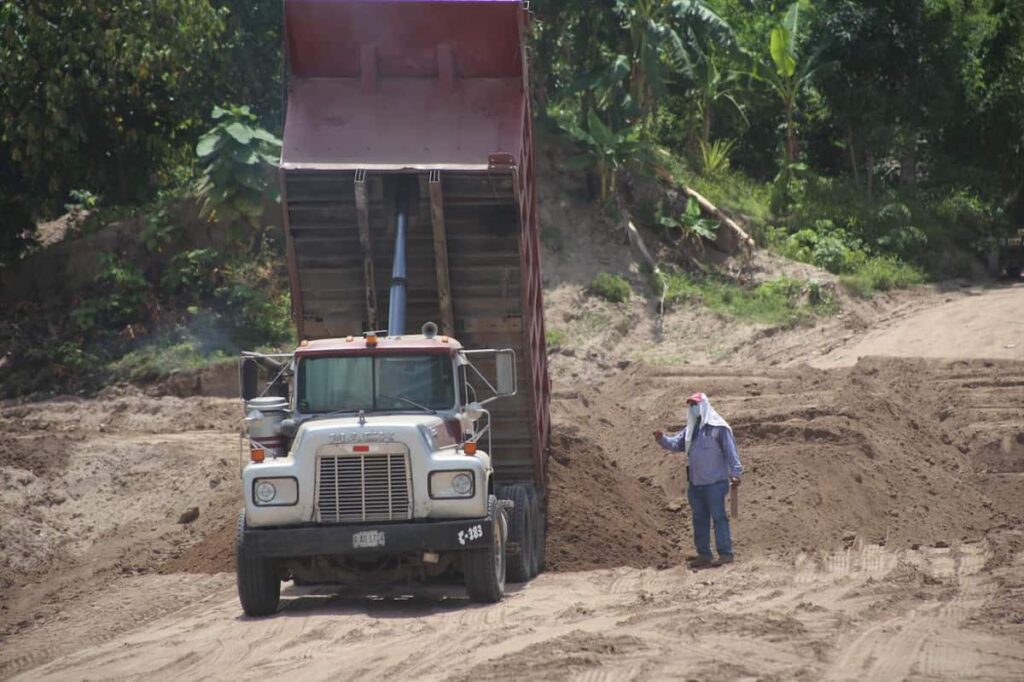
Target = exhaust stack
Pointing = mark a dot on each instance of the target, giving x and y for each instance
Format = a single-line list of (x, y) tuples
[(396, 308)]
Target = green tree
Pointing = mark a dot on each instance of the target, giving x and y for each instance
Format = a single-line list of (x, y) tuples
[(101, 95), (237, 180), (895, 81), (790, 74)]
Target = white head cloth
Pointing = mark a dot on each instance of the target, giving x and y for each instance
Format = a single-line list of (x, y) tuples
[(708, 416)]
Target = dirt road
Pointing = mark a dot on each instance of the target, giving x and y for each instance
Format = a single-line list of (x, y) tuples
[(985, 324), (881, 536), (865, 613)]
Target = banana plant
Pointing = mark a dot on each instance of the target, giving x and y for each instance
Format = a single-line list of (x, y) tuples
[(711, 84), (658, 33), (607, 149), (692, 229), (790, 74)]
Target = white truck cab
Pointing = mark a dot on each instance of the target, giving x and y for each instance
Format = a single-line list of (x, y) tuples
[(378, 474)]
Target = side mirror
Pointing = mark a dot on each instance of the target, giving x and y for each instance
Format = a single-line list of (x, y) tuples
[(505, 371), (250, 379)]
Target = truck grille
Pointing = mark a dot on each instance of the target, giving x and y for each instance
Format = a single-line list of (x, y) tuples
[(373, 487)]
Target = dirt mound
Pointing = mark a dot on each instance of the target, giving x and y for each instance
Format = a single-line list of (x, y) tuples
[(215, 552), (885, 451), (40, 455), (599, 516)]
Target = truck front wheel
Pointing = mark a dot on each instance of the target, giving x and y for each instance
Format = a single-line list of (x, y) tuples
[(259, 588), (485, 568)]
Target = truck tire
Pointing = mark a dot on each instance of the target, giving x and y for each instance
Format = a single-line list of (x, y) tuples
[(484, 569), (521, 534), (259, 588), (539, 533)]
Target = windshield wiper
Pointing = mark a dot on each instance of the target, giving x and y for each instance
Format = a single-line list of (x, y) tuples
[(336, 413), (406, 399)]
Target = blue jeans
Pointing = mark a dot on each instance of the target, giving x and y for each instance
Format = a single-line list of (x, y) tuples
[(708, 503)]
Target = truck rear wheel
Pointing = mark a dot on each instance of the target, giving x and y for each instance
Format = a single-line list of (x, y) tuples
[(484, 569), (521, 534), (539, 533), (259, 588)]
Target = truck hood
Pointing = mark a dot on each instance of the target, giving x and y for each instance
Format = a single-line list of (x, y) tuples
[(443, 430)]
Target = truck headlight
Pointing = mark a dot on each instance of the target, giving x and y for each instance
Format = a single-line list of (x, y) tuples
[(275, 492), (265, 492), (452, 484)]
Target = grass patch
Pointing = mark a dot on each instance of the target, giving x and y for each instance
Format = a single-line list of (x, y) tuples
[(163, 356), (555, 338), (613, 288), (782, 302), (882, 273)]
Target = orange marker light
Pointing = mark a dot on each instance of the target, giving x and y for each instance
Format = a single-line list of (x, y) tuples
[(444, 339), (371, 340), (360, 448), (469, 447), (258, 454)]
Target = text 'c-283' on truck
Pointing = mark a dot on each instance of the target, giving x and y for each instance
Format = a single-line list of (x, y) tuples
[(377, 457)]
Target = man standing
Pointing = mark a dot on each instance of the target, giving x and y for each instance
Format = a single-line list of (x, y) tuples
[(713, 466)]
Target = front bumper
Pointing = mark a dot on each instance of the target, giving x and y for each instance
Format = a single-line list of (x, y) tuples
[(368, 539)]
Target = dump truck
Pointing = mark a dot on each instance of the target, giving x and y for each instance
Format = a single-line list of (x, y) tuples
[(405, 439)]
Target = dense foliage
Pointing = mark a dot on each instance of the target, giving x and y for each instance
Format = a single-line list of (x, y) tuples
[(886, 129), (879, 140)]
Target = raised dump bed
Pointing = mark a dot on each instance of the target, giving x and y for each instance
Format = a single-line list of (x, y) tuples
[(431, 97)]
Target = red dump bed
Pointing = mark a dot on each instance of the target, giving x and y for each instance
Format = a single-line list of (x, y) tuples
[(433, 94)]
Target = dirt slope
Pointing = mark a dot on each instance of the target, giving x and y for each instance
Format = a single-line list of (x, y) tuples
[(985, 324)]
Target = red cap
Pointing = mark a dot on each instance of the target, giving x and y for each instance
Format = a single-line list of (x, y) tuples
[(695, 399)]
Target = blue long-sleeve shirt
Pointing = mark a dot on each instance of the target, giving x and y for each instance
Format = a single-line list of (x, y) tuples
[(713, 455)]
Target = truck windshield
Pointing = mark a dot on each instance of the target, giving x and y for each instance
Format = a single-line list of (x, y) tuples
[(375, 383)]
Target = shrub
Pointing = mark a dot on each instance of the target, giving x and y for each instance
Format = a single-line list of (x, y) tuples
[(613, 288), (191, 274), (252, 317), (163, 355), (881, 274), (555, 338), (778, 302), (119, 295)]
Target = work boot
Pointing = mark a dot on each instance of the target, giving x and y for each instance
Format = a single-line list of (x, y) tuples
[(723, 559), (700, 561)]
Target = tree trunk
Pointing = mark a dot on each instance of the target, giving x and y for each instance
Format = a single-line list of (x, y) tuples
[(853, 155), (706, 130), (908, 167), (869, 159), (791, 150)]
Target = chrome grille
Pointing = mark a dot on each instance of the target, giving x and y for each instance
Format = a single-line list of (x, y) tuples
[(371, 487)]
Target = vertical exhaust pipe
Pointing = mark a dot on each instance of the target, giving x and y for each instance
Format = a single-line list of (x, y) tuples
[(396, 309)]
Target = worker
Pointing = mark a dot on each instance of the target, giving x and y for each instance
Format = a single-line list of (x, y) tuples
[(713, 466)]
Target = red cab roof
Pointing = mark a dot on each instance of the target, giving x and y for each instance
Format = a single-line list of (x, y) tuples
[(357, 345)]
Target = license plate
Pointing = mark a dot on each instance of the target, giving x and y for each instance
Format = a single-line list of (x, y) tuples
[(368, 539)]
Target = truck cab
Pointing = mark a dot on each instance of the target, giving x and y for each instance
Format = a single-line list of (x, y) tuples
[(378, 475)]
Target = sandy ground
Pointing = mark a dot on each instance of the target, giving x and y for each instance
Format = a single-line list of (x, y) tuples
[(984, 324), (865, 613)]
